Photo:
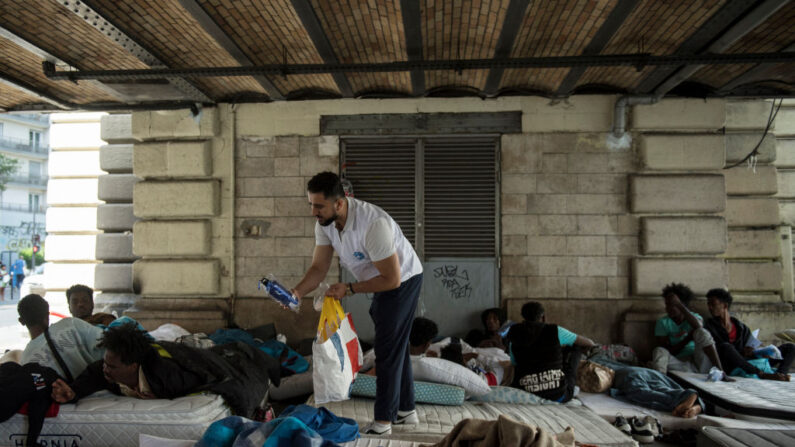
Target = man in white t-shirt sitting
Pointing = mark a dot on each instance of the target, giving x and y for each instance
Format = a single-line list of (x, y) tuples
[(74, 339)]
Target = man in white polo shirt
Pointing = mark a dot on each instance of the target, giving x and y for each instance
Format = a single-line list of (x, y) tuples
[(370, 245)]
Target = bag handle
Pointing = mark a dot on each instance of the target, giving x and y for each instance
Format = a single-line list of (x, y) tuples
[(331, 316), (58, 357)]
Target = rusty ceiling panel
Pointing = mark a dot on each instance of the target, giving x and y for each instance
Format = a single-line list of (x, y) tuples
[(359, 32), (545, 33), (270, 32), (673, 23), (10, 97), (468, 31), (773, 35), (67, 36), (174, 36), (18, 63)]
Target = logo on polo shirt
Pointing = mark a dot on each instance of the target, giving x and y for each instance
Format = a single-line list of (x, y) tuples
[(358, 255)]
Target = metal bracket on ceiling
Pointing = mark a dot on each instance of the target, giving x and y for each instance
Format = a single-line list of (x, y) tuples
[(118, 36)]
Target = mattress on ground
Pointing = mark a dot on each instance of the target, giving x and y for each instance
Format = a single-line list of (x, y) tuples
[(438, 420), (104, 419), (741, 437), (608, 407), (754, 397), (716, 421)]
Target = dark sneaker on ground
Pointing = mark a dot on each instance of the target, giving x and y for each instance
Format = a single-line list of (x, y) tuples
[(622, 424), (407, 418), (374, 428), (642, 431)]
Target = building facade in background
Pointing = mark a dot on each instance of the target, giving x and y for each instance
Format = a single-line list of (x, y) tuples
[(25, 138)]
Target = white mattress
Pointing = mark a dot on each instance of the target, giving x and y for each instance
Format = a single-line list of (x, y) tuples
[(104, 419), (438, 420), (753, 397), (715, 421), (608, 407)]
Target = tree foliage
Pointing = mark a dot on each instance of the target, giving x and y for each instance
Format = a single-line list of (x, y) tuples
[(8, 166)]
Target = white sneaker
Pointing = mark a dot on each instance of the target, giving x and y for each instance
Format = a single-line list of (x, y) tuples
[(642, 430), (407, 418), (374, 428)]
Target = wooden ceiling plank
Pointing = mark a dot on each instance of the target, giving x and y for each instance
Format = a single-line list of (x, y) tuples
[(510, 28), (32, 91), (745, 25), (750, 75), (412, 29), (106, 27), (306, 13), (614, 21), (225, 42), (698, 41)]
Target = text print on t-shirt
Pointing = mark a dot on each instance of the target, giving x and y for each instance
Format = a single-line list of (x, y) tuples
[(546, 380)]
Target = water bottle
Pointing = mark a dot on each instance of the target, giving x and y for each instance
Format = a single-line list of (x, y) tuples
[(279, 293)]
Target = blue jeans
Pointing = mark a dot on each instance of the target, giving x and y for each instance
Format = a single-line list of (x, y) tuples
[(393, 313)]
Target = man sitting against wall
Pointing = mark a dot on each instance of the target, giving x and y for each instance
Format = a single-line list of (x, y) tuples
[(683, 344), (732, 337), (540, 366), (81, 305), (135, 367)]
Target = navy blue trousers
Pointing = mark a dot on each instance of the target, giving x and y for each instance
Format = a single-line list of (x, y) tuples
[(393, 313)]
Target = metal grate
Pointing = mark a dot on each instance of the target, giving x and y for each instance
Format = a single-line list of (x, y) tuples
[(457, 179), (382, 172), (460, 197)]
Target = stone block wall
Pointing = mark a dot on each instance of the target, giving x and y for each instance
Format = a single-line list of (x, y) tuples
[(73, 199), (114, 245), (182, 209)]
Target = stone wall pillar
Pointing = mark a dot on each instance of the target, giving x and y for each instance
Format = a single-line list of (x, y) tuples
[(184, 204), (72, 196), (115, 217)]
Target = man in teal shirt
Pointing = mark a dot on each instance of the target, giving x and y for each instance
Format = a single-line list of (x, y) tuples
[(683, 343)]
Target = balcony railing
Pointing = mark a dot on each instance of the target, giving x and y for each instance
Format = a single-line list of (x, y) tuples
[(19, 144), (38, 180), (21, 207)]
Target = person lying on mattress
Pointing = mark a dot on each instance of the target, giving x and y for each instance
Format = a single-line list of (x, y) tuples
[(133, 366), (67, 346), (651, 389), (683, 344), (732, 341), (81, 305), (423, 330)]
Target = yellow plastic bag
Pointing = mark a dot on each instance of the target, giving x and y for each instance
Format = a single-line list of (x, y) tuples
[(330, 318)]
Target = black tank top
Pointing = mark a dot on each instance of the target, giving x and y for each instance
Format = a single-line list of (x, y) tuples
[(536, 351)]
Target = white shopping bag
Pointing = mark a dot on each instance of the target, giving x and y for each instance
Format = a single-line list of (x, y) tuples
[(336, 360)]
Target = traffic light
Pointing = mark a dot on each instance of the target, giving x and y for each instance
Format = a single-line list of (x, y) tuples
[(35, 249)]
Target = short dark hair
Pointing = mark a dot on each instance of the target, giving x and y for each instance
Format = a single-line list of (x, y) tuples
[(327, 183), (77, 288), (422, 331), (453, 353), (33, 310), (682, 291), (128, 342), (500, 313), (721, 295), (532, 311)]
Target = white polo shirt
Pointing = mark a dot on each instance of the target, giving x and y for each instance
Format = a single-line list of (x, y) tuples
[(369, 235)]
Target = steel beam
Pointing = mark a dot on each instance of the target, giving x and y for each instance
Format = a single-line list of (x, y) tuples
[(412, 29), (726, 40), (312, 25), (225, 42), (612, 23), (612, 60), (93, 18), (699, 40), (514, 16), (750, 75)]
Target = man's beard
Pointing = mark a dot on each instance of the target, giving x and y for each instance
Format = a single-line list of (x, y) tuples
[(329, 221)]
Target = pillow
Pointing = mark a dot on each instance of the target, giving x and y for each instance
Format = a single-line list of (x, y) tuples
[(424, 392), (429, 369), (508, 395)]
